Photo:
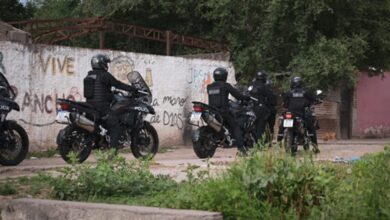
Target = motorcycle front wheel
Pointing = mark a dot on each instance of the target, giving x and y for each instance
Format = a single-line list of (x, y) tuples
[(145, 142), (13, 145), (73, 140)]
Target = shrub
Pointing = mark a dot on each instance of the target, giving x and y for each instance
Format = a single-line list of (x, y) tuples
[(265, 185), (6, 188), (111, 176), (364, 194)]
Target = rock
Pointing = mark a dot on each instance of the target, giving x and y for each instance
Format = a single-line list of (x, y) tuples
[(37, 209)]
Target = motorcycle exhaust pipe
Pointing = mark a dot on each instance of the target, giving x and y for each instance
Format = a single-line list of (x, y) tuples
[(212, 122), (82, 122)]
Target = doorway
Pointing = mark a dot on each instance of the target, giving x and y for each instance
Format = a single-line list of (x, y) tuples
[(346, 113)]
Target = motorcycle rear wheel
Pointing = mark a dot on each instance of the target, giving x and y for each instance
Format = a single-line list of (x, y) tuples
[(14, 156), (289, 145), (73, 144), (203, 147)]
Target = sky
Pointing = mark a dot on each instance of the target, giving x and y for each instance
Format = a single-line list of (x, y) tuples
[(23, 1)]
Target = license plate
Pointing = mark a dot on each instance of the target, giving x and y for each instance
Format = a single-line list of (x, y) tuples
[(4, 108), (288, 123), (195, 116), (62, 117)]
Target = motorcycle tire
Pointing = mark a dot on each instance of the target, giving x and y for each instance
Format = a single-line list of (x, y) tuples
[(306, 147), (268, 136), (66, 146), (289, 145), (145, 152), (202, 146), (249, 140), (21, 155)]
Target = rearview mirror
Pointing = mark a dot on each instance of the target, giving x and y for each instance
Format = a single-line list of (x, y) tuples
[(319, 92)]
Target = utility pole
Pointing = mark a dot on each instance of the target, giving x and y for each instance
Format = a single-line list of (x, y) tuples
[(168, 42)]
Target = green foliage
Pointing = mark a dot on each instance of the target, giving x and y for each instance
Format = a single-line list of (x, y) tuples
[(318, 39), (7, 188), (266, 185), (329, 62), (13, 10), (111, 176), (365, 194)]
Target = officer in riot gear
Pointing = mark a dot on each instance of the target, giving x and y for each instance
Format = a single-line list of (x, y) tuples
[(272, 106), (218, 92), (259, 89), (298, 101), (97, 91), (5, 89)]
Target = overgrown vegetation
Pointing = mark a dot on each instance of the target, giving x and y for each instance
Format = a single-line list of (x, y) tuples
[(111, 176), (325, 41), (7, 189), (43, 154), (266, 185)]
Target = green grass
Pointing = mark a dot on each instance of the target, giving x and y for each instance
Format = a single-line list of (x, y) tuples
[(43, 154), (266, 185), (7, 188)]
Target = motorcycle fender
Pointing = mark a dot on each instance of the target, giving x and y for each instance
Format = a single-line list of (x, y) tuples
[(15, 106), (5, 124), (195, 135), (151, 110), (61, 136)]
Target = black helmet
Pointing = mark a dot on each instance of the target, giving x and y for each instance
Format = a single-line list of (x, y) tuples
[(296, 82), (100, 62), (220, 74), (261, 75)]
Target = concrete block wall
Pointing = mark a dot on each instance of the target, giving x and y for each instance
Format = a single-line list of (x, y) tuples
[(41, 73)]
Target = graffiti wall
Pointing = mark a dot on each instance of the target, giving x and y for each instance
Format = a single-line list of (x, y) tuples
[(40, 74)]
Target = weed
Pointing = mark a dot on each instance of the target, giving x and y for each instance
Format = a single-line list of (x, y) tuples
[(43, 154), (111, 176), (7, 188)]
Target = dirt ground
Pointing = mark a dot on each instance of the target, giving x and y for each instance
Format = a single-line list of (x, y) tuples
[(174, 162)]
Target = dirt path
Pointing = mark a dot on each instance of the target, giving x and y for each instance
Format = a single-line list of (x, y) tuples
[(175, 161)]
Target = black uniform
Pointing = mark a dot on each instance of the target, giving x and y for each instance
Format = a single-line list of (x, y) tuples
[(266, 101), (4, 87), (297, 101), (272, 102), (219, 98), (97, 91)]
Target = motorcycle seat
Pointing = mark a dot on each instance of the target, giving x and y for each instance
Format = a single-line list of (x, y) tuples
[(84, 104)]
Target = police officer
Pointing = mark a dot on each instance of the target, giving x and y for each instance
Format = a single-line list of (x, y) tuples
[(218, 92), (97, 91), (259, 89), (272, 106), (297, 101), (5, 90)]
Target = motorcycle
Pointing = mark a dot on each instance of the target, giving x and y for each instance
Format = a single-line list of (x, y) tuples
[(212, 132), (14, 141), (85, 125), (295, 129)]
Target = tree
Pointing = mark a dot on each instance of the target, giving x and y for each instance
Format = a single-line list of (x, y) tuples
[(325, 41), (13, 10)]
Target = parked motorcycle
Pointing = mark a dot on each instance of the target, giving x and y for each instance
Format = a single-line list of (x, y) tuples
[(213, 132), (13, 138), (295, 129), (85, 128)]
